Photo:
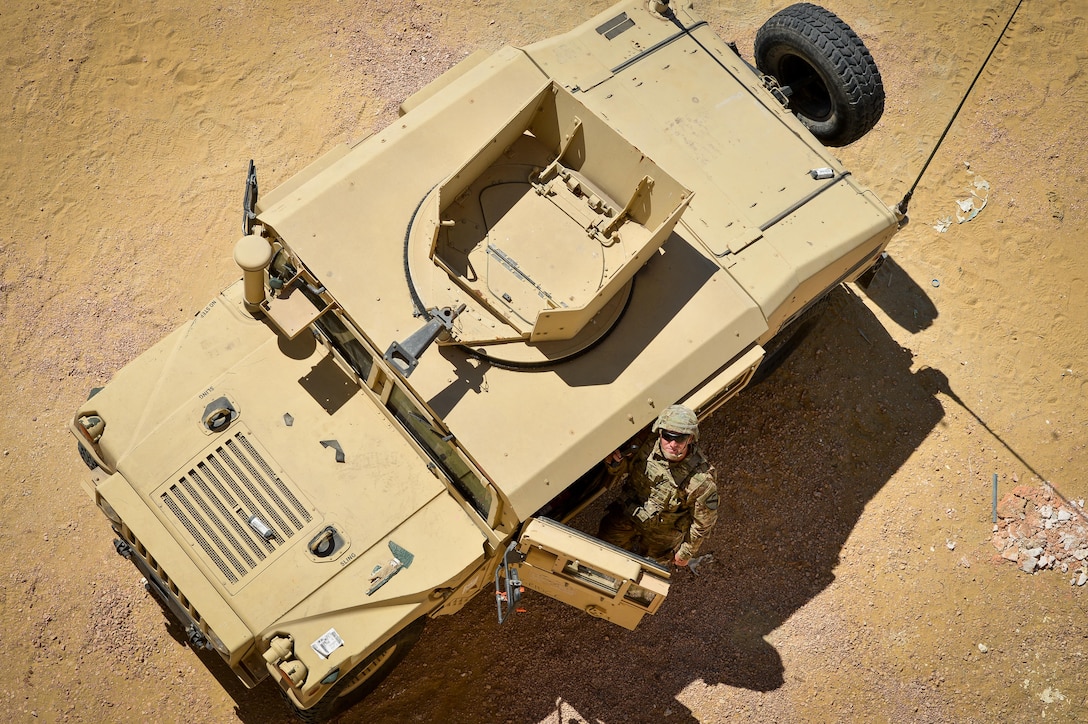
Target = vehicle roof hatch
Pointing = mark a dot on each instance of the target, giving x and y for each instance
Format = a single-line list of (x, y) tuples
[(543, 229)]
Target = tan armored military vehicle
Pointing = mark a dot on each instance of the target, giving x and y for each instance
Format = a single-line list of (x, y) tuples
[(441, 331)]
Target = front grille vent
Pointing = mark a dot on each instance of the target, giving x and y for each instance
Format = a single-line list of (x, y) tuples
[(217, 498)]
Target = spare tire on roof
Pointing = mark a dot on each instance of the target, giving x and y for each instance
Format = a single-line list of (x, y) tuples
[(834, 87)]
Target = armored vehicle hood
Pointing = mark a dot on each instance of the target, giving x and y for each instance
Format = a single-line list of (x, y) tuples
[(312, 464)]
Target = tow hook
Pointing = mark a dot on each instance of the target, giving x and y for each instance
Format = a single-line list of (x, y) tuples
[(197, 640), (123, 548)]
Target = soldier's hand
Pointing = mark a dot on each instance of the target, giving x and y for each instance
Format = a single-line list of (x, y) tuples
[(697, 562), (614, 458), (677, 561)]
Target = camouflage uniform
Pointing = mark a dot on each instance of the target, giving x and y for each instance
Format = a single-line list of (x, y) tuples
[(665, 509)]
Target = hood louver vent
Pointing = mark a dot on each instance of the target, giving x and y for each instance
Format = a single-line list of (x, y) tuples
[(235, 507)]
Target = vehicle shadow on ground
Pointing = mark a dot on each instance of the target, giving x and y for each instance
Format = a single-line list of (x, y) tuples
[(902, 299), (260, 705), (798, 458)]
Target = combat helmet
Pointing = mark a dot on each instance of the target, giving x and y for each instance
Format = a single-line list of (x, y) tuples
[(677, 418)]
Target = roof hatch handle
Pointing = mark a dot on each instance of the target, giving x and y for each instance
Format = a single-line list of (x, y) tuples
[(404, 356)]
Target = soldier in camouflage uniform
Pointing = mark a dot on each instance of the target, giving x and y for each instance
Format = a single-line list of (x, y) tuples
[(669, 501)]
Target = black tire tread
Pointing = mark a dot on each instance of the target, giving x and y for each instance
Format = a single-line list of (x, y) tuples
[(805, 26), (86, 457)]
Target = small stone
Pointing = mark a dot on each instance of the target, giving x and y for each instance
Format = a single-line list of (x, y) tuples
[(984, 648), (1046, 511), (1064, 515), (1011, 554), (1081, 554), (1029, 564), (1083, 578), (951, 545), (1034, 552), (1011, 507)]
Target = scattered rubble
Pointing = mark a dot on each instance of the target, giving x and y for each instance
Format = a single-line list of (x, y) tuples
[(1039, 530)]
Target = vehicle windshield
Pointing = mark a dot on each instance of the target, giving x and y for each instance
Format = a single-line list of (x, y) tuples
[(438, 446), (440, 449), (343, 341)]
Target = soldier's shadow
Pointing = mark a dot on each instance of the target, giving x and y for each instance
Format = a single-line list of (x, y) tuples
[(797, 457)]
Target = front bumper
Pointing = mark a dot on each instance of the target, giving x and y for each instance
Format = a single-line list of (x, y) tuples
[(248, 666)]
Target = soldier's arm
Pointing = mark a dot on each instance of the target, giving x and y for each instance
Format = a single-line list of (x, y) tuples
[(616, 465), (619, 463), (704, 516)]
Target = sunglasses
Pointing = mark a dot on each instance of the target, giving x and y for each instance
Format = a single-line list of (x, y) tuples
[(674, 436)]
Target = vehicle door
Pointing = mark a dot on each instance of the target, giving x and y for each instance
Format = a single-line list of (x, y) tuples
[(582, 571)]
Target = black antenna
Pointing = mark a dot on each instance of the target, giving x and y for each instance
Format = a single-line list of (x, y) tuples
[(901, 208)]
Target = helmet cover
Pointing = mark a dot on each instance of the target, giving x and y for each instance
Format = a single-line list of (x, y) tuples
[(680, 419)]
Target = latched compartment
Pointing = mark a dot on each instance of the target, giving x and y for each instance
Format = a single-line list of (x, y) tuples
[(589, 574)]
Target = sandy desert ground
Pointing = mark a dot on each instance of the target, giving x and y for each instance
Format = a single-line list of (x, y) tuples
[(856, 574)]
